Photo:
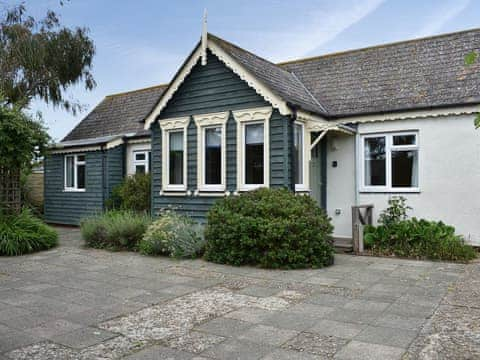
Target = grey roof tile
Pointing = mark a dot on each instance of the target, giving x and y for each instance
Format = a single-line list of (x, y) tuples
[(118, 114), (422, 73)]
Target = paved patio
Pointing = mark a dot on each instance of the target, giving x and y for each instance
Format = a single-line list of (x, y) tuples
[(75, 303)]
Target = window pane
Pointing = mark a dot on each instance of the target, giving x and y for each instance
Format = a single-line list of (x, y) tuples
[(254, 154), (213, 156), (80, 158), (176, 158), (81, 176), (405, 168), (69, 172), (404, 139), (140, 156), (375, 173), (140, 169), (298, 161)]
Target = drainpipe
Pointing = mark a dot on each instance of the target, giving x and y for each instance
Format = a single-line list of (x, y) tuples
[(355, 154)]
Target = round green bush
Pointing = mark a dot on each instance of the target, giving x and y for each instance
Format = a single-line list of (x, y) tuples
[(174, 235), (24, 233), (272, 228)]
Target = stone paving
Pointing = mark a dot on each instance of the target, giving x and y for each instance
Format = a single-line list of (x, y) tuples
[(77, 303)]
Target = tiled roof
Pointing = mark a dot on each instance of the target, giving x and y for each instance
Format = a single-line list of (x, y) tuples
[(282, 82), (422, 73), (118, 114), (416, 74)]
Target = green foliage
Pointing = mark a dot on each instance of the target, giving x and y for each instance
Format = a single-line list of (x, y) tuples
[(272, 228), (24, 233), (477, 121), (418, 239), (115, 229), (22, 139), (174, 235), (42, 58), (471, 58), (133, 193), (395, 212)]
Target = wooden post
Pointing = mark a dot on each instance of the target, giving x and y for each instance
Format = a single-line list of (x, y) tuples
[(358, 222)]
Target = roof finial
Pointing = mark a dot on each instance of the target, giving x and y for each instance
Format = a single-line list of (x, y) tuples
[(204, 38)]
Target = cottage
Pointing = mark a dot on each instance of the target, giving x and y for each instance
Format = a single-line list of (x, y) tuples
[(348, 128)]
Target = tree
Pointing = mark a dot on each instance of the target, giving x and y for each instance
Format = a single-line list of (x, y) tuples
[(22, 139), (41, 59), (38, 59), (471, 59)]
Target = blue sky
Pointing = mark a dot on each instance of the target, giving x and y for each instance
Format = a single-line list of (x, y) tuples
[(143, 42)]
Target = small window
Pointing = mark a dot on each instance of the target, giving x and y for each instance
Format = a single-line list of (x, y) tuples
[(390, 162), (299, 156), (75, 172), (213, 156), (254, 154), (141, 163), (175, 158)]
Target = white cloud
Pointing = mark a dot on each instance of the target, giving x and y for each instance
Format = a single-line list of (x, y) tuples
[(318, 27), (441, 16)]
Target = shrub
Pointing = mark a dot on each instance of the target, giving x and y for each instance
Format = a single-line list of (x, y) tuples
[(132, 194), (395, 212), (271, 228), (174, 235), (115, 229), (419, 239), (24, 233), (415, 238)]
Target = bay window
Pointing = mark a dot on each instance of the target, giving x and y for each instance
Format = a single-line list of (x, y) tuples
[(211, 151), (75, 172), (253, 160), (390, 162), (174, 154)]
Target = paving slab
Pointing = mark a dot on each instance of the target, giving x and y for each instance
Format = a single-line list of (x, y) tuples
[(387, 336), (238, 350), (83, 337), (356, 350), (337, 328), (264, 334)]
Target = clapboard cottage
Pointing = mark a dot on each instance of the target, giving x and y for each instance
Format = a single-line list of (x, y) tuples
[(348, 128)]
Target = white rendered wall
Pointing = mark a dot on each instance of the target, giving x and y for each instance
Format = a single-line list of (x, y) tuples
[(449, 172), (144, 146)]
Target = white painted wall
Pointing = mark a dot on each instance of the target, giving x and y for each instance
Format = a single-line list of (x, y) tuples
[(144, 146), (449, 174)]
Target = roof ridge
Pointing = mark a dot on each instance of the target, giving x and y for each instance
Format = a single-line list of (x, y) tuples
[(309, 92), (379, 46), (247, 51), (137, 90)]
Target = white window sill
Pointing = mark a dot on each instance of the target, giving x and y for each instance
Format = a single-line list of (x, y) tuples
[(175, 188), (301, 188), (251, 187), (174, 193), (73, 190), (212, 188), (390, 190)]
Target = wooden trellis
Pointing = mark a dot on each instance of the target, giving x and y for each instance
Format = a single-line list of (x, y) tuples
[(10, 197)]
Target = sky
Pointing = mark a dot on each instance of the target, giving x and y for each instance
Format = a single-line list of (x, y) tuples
[(142, 43)]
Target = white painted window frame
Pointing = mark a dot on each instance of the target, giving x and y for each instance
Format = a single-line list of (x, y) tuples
[(204, 122), (136, 162), (388, 164), (167, 126), (304, 186), (76, 162), (251, 117)]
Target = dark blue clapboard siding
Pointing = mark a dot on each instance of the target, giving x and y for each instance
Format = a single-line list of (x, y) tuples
[(104, 170), (69, 207), (215, 88), (115, 163)]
